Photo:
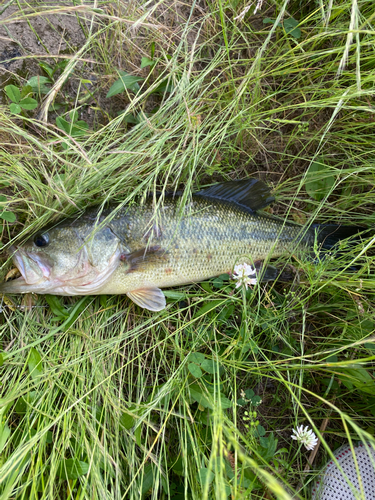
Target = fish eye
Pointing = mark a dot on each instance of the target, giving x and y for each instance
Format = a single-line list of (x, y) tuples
[(41, 240)]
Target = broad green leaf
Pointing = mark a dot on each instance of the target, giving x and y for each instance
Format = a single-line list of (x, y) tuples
[(290, 26), (196, 357), (35, 364), (224, 277), (198, 396), (205, 476), (72, 468), (13, 93), (195, 370), (79, 127), (261, 431), (178, 466), (147, 478), (256, 400), (126, 81), (62, 65), (138, 435), (210, 366), (359, 378), (319, 181), (164, 87), (63, 124), (2, 198), (225, 403), (209, 306), (103, 299), (14, 108), (249, 393), (8, 216), (1, 359), (38, 84), (55, 106), (4, 435), (74, 129), (23, 402), (217, 283), (56, 306), (28, 103), (74, 312), (47, 68), (73, 115), (367, 326), (127, 421), (130, 118), (146, 61), (268, 20), (26, 91), (206, 286), (225, 313), (332, 358), (269, 445), (206, 399)]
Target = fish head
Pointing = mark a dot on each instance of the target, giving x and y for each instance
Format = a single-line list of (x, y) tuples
[(73, 258)]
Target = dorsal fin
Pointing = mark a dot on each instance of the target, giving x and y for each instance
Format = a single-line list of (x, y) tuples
[(250, 194)]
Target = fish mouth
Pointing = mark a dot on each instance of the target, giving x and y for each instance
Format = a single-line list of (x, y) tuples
[(38, 276), (34, 273)]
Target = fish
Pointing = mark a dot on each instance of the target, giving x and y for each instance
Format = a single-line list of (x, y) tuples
[(137, 249)]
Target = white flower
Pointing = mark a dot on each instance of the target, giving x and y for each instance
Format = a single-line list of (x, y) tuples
[(242, 273), (305, 436)]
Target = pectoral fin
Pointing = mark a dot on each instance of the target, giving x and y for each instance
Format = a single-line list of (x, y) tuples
[(138, 259), (152, 299)]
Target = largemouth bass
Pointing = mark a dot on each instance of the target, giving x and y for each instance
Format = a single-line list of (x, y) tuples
[(137, 251)]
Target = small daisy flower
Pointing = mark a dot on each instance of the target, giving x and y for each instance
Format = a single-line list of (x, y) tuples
[(242, 273), (305, 436)]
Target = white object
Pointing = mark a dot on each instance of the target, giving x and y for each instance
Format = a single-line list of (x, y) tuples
[(305, 436), (334, 484)]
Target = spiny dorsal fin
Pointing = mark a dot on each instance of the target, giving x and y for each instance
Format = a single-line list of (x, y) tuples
[(152, 299), (251, 194)]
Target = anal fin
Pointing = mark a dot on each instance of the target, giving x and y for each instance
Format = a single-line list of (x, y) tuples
[(152, 298)]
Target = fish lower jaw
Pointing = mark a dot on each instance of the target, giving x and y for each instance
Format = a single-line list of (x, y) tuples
[(20, 285)]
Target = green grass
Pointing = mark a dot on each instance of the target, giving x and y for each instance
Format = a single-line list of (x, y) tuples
[(100, 399)]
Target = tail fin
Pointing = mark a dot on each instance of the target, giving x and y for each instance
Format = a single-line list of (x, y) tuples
[(330, 234)]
